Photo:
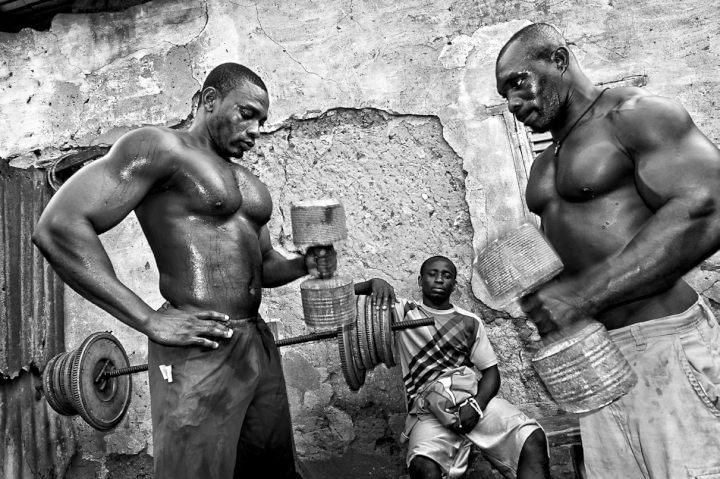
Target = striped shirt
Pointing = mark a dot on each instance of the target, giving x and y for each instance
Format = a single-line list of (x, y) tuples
[(457, 339)]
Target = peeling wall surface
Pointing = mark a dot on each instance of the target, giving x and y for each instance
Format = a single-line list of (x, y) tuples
[(384, 105)]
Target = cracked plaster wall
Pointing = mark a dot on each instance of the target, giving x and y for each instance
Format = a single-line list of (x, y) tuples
[(425, 155)]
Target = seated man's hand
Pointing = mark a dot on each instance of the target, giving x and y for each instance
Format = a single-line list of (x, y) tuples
[(321, 261), (383, 293), (469, 418)]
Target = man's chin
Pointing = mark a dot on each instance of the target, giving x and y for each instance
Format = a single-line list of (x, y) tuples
[(437, 296)]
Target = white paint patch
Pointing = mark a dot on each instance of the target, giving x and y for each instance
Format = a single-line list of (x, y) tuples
[(455, 53)]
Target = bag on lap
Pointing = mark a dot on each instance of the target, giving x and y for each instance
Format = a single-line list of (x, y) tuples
[(442, 398)]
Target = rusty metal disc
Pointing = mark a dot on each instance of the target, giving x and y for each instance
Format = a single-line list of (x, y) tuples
[(50, 389), (62, 381), (354, 377), (377, 331), (354, 340), (65, 374), (370, 332), (388, 337), (103, 403), (362, 333), (393, 336), (360, 372)]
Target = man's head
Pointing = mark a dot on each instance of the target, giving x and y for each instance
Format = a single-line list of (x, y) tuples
[(234, 104), (530, 72), (437, 279)]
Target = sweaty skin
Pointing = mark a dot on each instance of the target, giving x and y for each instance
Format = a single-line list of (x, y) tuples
[(630, 203), (203, 215)]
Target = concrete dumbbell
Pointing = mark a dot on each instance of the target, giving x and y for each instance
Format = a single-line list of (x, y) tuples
[(585, 370), (327, 303)]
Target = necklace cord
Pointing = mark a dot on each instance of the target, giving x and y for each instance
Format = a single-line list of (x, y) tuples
[(559, 143)]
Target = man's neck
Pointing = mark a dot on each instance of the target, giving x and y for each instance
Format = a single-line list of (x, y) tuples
[(442, 305), (201, 134), (578, 99)]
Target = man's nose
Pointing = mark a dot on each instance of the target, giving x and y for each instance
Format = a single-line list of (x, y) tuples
[(514, 104), (254, 130)]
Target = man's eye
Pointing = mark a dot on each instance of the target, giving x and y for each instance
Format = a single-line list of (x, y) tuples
[(246, 113), (517, 82)]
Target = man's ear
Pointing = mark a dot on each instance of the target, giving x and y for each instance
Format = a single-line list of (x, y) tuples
[(561, 58), (420, 281), (208, 97)]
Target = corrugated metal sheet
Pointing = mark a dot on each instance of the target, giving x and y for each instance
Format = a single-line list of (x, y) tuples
[(36, 441), (31, 295)]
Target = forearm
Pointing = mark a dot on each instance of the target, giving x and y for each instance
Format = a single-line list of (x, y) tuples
[(278, 270), (677, 238), (488, 386), (78, 257)]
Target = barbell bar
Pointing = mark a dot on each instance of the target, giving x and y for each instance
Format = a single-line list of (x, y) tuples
[(94, 379)]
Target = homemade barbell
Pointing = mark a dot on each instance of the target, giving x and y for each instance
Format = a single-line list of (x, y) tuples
[(94, 379)]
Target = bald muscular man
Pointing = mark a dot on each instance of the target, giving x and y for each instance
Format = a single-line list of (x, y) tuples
[(629, 197), (225, 414)]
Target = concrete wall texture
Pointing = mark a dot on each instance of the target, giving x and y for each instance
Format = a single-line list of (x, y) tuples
[(383, 105)]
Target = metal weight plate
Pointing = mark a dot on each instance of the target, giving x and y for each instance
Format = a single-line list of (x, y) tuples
[(377, 330), (66, 378), (354, 340), (346, 359), (370, 333), (358, 367), (362, 333), (394, 352), (62, 378), (388, 337), (57, 378), (50, 390), (101, 404)]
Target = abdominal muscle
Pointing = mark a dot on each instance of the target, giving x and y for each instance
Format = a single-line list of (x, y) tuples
[(209, 265)]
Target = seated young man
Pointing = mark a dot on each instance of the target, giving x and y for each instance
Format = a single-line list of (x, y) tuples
[(514, 443)]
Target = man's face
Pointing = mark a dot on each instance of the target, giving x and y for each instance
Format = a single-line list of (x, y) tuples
[(236, 119), (437, 280), (531, 87)]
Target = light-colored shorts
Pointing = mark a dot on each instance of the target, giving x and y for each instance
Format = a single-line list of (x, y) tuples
[(668, 426), (500, 435)]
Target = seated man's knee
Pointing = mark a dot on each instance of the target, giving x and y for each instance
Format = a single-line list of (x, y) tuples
[(536, 444), (424, 468)]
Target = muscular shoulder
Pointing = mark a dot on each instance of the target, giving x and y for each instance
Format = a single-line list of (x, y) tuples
[(146, 151), (642, 120), (150, 141)]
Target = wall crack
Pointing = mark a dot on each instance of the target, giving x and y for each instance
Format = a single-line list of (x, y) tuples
[(285, 51)]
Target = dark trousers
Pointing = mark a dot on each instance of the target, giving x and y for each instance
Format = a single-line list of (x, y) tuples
[(225, 414)]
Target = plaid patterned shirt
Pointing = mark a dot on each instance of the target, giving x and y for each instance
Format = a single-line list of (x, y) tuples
[(457, 339)]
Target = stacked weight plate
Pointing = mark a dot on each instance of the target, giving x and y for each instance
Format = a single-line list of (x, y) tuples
[(73, 382), (366, 342)]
